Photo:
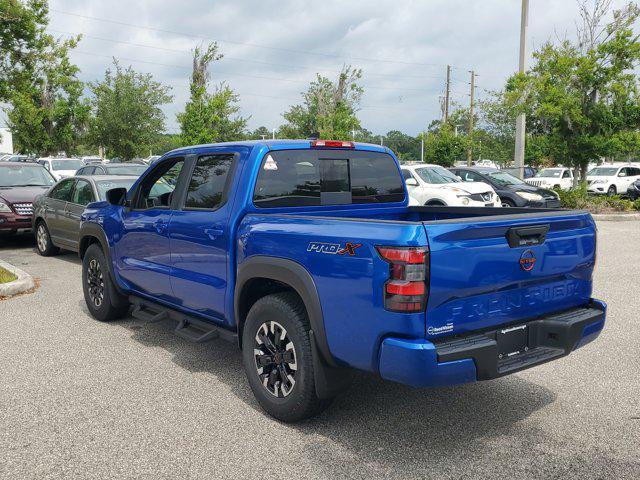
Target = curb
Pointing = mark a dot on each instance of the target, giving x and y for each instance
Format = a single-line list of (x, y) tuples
[(616, 217), (23, 283)]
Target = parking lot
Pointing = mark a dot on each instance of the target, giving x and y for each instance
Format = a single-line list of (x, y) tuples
[(83, 399)]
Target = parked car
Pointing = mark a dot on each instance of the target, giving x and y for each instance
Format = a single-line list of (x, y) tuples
[(91, 160), (512, 191), (56, 214), (19, 158), (553, 178), (528, 172), (611, 180), (307, 255), (435, 185), (20, 183), (634, 190), (486, 163), (113, 169), (61, 167)]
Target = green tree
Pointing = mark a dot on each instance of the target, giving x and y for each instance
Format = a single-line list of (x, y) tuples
[(45, 109), (583, 96), (444, 147), (328, 108), (259, 133), (406, 147), (22, 38), (127, 118), (210, 117)]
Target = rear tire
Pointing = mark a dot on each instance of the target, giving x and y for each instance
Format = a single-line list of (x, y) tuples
[(277, 356), (103, 300), (44, 245)]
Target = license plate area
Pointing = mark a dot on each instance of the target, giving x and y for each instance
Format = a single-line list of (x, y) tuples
[(512, 341)]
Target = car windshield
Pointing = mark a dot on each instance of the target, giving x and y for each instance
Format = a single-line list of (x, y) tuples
[(67, 164), (23, 176), (503, 178), (602, 172), (104, 186), (549, 173), (124, 169), (436, 175)]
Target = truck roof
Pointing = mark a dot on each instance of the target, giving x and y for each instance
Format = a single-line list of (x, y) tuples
[(279, 145)]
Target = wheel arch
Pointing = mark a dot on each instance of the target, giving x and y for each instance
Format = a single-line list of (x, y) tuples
[(262, 275), (90, 234)]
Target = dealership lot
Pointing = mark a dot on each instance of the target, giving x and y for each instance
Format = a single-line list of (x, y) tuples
[(81, 399)]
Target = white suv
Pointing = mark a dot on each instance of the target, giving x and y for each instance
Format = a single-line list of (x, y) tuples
[(551, 178), (435, 185), (61, 167), (612, 179)]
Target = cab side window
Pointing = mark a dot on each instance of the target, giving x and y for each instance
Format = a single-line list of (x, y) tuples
[(62, 191), (156, 191), (208, 182)]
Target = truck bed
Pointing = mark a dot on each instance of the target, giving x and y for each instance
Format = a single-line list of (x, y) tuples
[(476, 275)]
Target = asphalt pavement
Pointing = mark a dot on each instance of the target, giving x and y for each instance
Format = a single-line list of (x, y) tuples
[(84, 399)]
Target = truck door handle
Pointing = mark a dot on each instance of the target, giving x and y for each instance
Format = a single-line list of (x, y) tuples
[(160, 226), (213, 233), (527, 236)]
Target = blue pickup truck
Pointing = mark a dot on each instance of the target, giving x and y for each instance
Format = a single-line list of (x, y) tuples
[(308, 255)]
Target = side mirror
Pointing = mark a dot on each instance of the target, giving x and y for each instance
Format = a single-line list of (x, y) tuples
[(117, 196), (411, 182), (622, 174), (459, 177)]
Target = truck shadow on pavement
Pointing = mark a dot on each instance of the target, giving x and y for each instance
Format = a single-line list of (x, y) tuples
[(376, 420)]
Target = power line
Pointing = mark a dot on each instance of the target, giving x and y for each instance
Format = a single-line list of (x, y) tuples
[(226, 57), (184, 67), (253, 45)]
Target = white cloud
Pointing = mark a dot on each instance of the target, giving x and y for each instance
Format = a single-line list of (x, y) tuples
[(427, 35)]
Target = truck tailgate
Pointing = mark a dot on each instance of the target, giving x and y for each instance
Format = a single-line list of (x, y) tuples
[(493, 271)]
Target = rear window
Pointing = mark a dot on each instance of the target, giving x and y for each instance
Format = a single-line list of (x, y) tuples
[(297, 178)]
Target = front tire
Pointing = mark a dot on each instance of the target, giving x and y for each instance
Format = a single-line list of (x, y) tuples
[(44, 245), (100, 294), (277, 356), (612, 190), (506, 203)]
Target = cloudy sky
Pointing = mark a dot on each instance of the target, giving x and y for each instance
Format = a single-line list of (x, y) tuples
[(273, 48)]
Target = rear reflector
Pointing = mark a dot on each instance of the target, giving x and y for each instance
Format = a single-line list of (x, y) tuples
[(406, 289), (332, 144)]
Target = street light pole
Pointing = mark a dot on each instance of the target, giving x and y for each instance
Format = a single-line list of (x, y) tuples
[(521, 120)]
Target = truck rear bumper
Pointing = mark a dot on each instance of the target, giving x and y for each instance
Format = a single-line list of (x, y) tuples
[(468, 358)]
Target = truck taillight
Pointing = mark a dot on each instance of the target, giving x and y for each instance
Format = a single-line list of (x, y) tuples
[(406, 290)]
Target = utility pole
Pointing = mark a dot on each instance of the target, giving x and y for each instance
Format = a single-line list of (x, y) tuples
[(422, 148), (472, 94), (521, 120), (447, 95), (273, 134)]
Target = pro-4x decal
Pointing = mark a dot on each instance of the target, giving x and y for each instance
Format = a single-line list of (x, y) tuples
[(333, 248)]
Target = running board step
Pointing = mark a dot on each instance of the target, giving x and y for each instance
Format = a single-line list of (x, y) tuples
[(194, 331), (189, 327), (142, 312)]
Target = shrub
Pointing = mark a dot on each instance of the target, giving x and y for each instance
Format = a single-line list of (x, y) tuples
[(580, 199)]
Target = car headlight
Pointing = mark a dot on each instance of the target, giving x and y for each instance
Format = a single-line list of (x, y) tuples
[(4, 208), (533, 197)]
